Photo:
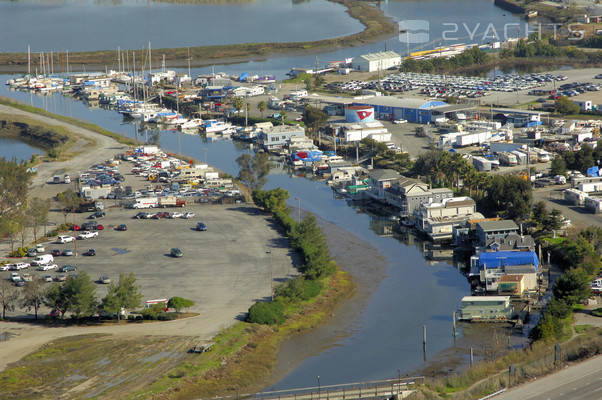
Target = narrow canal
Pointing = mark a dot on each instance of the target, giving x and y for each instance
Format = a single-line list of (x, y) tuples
[(386, 336)]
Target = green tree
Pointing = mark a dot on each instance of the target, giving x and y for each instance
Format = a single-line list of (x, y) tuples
[(271, 200), (314, 118), (69, 201), (309, 85), (33, 296), (80, 293), (9, 296), (540, 212), (558, 166), (572, 287), (238, 104), (55, 299), (179, 303), (261, 107), (309, 238), (253, 169), (14, 187), (77, 294), (126, 294), (38, 212), (566, 106)]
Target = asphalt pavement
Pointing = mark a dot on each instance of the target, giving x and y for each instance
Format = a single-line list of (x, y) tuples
[(582, 381)]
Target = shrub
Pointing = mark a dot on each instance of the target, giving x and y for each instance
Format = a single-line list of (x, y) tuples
[(20, 252), (299, 288), (267, 313), (179, 303)]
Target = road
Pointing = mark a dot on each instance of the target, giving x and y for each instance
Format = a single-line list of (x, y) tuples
[(553, 197), (578, 382)]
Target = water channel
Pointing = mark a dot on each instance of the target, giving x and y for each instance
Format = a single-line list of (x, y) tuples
[(16, 149), (384, 337)]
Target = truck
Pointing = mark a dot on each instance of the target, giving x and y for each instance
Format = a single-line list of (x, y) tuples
[(145, 202), (171, 201), (469, 139), (507, 158)]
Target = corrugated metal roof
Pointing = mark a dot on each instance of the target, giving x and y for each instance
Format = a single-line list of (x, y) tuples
[(384, 174), (383, 55)]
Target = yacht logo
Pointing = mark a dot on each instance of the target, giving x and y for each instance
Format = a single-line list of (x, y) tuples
[(414, 31), (364, 114)]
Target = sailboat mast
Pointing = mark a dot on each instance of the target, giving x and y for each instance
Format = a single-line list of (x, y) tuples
[(28, 60)]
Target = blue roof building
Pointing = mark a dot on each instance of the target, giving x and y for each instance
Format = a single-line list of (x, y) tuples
[(501, 259)]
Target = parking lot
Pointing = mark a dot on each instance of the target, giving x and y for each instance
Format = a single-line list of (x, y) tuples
[(224, 269)]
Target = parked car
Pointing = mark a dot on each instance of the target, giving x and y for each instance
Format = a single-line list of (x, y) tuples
[(175, 215), (68, 268), (55, 313), (65, 239), (4, 267), (76, 227), (121, 227), (188, 215), (47, 267), (15, 277), (97, 214), (201, 227), (60, 278), (32, 252), (40, 248), (175, 252), (90, 252), (87, 235), (100, 227), (161, 215), (27, 277), (89, 226), (55, 252), (47, 278), (104, 280), (67, 253), (18, 266), (20, 283)]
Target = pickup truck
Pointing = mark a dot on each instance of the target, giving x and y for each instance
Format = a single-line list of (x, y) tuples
[(87, 235)]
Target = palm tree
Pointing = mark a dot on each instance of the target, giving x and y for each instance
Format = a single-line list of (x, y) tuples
[(261, 107)]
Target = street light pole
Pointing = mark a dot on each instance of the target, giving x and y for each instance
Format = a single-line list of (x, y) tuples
[(318, 387)]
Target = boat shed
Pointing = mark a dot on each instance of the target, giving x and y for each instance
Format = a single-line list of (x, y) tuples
[(373, 62), (486, 308), (415, 110)]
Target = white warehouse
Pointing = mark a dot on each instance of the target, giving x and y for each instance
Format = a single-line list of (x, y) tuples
[(377, 61)]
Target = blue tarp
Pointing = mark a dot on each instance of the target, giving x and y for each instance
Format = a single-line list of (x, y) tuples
[(501, 258), (593, 171)]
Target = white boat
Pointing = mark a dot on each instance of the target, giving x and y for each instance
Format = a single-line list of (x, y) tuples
[(194, 123), (214, 126)]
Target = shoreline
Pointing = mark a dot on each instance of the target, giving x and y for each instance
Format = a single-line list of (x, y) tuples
[(376, 26)]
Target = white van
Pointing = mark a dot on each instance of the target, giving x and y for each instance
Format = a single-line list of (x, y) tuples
[(43, 259), (67, 179)]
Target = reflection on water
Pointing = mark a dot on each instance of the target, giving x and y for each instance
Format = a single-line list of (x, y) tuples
[(82, 25)]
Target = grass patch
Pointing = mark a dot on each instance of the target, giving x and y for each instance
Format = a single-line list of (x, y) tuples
[(245, 354), (582, 328), (82, 124)]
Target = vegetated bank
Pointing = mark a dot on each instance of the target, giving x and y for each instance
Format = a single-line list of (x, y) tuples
[(74, 121), (376, 26), (55, 140), (245, 354)]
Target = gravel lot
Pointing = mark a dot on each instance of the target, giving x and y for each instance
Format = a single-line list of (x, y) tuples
[(224, 270)]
